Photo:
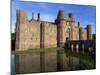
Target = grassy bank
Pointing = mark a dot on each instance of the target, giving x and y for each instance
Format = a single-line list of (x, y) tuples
[(37, 50)]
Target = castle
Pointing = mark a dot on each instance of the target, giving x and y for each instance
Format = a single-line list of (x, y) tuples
[(42, 34)]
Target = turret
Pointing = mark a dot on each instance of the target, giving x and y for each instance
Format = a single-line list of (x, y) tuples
[(61, 28), (89, 32), (21, 22), (21, 16), (71, 23)]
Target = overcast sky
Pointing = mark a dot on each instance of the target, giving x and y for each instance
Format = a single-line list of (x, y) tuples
[(82, 13)]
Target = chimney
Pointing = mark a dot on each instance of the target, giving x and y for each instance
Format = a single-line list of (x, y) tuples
[(78, 24), (61, 15), (32, 15), (70, 15), (38, 19)]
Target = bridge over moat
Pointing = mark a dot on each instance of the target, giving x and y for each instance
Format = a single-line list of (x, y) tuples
[(80, 45)]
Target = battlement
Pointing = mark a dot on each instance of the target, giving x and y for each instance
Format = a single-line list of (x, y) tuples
[(23, 15)]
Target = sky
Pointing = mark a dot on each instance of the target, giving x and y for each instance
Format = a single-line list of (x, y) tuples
[(85, 14)]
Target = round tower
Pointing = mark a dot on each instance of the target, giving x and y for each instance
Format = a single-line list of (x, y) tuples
[(61, 28), (89, 32)]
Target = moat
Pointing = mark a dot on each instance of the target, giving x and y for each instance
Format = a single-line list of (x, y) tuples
[(51, 61)]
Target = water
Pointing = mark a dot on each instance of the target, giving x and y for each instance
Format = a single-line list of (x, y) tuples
[(29, 62), (12, 64)]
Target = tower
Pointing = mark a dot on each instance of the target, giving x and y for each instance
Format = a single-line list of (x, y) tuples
[(81, 33), (61, 28), (89, 32), (21, 21), (71, 23)]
